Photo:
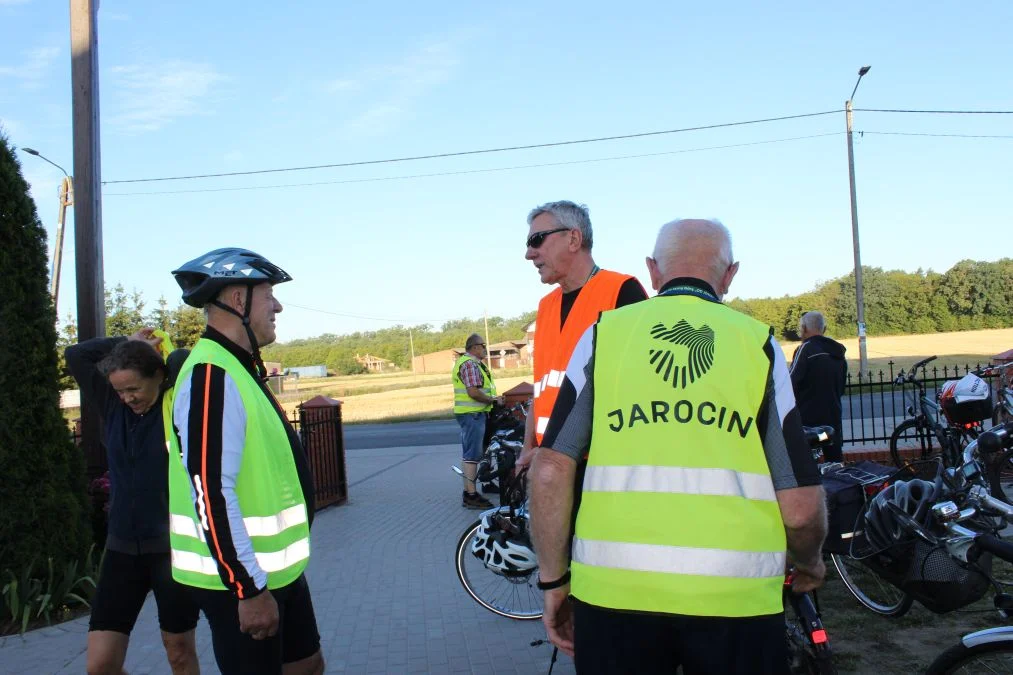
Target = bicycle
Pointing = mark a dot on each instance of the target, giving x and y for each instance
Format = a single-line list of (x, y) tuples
[(850, 559), (1001, 470), (989, 650), (512, 593), (916, 435)]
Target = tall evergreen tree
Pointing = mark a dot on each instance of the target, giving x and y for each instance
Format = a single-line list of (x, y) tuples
[(43, 501)]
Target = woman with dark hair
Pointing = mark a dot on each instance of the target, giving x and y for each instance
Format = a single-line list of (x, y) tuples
[(126, 379)]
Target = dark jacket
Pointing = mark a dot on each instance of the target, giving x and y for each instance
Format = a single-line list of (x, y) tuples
[(138, 460), (818, 371)]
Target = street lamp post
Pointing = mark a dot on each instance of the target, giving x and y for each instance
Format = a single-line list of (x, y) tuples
[(66, 199), (859, 295)]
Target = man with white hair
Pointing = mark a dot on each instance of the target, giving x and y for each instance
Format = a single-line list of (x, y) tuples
[(559, 244), (818, 371), (699, 488)]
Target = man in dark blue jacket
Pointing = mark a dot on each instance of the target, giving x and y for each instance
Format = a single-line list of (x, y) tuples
[(818, 371)]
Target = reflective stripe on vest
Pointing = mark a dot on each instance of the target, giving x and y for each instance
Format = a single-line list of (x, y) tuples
[(679, 559), (464, 404), (256, 526), (681, 480), (556, 344), (679, 513), (267, 488), (275, 561)]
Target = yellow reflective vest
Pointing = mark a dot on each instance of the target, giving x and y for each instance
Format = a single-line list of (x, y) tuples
[(678, 513), (268, 489), (463, 403)]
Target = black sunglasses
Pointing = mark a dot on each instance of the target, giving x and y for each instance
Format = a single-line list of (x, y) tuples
[(538, 238)]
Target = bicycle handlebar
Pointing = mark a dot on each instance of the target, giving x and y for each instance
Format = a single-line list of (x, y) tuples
[(921, 364), (818, 437), (995, 546), (997, 438)]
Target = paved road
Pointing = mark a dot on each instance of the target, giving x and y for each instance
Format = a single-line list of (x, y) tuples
[(384, 585), (404, 435), (446, 432)]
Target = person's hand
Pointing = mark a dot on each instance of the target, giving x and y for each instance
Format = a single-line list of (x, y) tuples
[(524, 461), (557, 617), (147, 335), (258, 616), (809, 577), (500, 400)]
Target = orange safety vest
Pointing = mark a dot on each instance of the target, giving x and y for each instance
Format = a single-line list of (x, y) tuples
[(553, 346)]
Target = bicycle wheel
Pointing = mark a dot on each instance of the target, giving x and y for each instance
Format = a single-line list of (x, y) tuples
[(911, 441), (989, 657), (871, 590), (512, 597)]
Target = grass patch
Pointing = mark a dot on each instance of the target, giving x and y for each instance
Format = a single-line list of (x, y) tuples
[(864, 642)]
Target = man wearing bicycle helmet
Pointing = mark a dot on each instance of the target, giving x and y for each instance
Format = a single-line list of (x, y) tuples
[(699, 486), (240, 492)]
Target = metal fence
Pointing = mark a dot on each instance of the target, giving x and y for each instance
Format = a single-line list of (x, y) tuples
[(322, 438), (876, 406)]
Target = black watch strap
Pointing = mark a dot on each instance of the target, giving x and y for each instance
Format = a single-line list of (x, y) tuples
[(549, 585)]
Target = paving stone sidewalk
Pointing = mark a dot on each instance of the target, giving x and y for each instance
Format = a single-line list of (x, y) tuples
[(386, 595)]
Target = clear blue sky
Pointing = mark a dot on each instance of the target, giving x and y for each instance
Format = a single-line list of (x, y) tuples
[(193, 88)]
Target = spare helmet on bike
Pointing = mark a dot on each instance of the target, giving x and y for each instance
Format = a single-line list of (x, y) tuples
[(501, 552), (914, 497), (203, 278)]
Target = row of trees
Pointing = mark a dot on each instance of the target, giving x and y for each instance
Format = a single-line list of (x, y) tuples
[(338, 352), (969, 296), (125, 315)]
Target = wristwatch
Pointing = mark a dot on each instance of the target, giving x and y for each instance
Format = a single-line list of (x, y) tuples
[(549, 585)]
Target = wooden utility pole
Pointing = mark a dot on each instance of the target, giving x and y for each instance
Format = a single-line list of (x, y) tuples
[(87, 169), (411, 344), (488, 354), (87, 201)]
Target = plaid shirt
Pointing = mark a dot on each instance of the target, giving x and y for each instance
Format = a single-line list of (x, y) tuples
[(471, 373)]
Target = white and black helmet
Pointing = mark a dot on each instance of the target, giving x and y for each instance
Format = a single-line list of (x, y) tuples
[(914, 497), (502, 552)]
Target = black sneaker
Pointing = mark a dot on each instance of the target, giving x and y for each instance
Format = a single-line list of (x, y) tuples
[(474, 500), (490, 488)]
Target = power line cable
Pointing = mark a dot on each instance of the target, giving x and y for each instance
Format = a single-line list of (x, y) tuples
[(462, 153), (936, 112), (907, 133), (474, 171)]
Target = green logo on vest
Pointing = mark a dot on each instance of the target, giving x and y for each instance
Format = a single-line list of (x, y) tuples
[(700, 352)]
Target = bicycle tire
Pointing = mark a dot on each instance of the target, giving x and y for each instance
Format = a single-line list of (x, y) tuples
[(977, 659), (516, 599), (911, 434), (867, 584)]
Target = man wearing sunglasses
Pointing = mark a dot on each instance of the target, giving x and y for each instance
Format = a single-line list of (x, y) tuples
[(559, 245), (474, 397)]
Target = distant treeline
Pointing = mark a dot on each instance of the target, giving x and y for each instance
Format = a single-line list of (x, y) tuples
[(971, 295), (338, 351)]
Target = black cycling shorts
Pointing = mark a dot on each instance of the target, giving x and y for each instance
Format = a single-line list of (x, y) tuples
[(123, 584), (239, 654), (611, 642)]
